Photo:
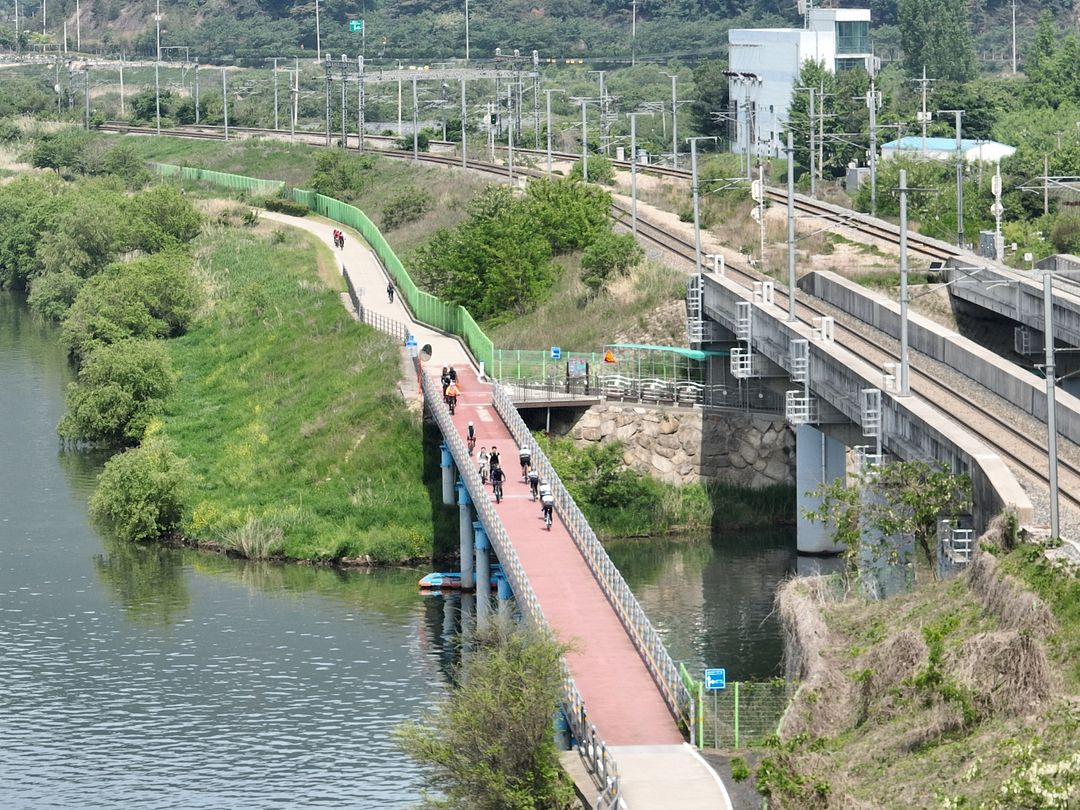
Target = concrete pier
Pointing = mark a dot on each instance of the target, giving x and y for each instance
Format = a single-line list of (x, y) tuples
[(447, 463), (483, 575), (466, 539), (819, 459)]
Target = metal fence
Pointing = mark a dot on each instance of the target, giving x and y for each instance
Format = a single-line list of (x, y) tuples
[(743, 715), (594, 752), (641, 631), (384, 324), (235, 182)]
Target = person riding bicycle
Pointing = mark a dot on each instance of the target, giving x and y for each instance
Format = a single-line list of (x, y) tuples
[(493, 458), (547, 506), (390, 291), (534, 482), (470, 437), (497, 478), (452, 392), (482, 460), (525, 456)]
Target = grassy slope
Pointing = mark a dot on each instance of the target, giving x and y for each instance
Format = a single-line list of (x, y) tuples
[(288, 413), (877, 740)]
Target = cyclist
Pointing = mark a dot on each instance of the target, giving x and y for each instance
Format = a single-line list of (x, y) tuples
[(470, 437), (544, 489), (534, 482), (444, 379), (497, 477), (452, 392), (547, 506), (483, 460), (390, 291), (525, 456), (493, 458)]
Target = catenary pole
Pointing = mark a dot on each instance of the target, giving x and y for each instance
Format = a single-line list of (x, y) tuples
[(790, 151)]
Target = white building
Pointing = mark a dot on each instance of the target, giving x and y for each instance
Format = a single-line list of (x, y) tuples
[(764, 66), (945, 149)]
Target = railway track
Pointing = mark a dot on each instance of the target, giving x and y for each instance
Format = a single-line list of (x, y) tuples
[(1010, 443)]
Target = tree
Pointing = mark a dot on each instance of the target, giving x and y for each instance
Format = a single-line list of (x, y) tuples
[(898, 498), (141, 492), (710, 96), (489, 746), (934, 34), (121, 387)]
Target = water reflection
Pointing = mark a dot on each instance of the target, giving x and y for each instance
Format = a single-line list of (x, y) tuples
[(148, 582)]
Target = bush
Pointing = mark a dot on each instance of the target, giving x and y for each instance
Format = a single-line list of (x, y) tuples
[(422, 142), (491, 746), (121, 387), (141, 492), (609, 254), (165, 218), (600, 170), (152, 296), (1065, 233), (406, 207), (338, 174), (52, 294), (284, 205)]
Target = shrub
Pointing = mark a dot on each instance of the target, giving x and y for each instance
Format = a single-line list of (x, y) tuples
[(406, 207), (490, 746), (338, 174), (600, 170), (422, 142), (609, 254), (141, 492), (121, 387), (152, 296), (164, 218), (1065, 233), (52, 294), (284, 205)]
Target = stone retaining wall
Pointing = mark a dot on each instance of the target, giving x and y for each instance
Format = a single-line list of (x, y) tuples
[(682, 446)]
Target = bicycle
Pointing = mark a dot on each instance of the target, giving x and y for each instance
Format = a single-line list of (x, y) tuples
[(451, 403), (471, 442), (547, 517), (497, 486)]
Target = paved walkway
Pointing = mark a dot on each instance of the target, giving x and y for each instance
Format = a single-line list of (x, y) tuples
[(656, 768)]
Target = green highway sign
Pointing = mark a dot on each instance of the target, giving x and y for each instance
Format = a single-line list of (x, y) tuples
[(356, 26)]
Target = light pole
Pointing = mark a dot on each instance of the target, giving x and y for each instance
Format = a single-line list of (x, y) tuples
[(547, 92), (697, 197), (959, 178), (1051, 399), (633, 170), (674, 118)]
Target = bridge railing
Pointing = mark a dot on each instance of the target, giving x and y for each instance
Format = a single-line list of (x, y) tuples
[(641, 630), (593, 750)]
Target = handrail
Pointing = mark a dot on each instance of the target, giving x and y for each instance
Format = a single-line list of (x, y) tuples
[(641, 630), (594, 752)]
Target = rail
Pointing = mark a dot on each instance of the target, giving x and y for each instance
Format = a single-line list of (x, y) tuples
[(641, 630), (594, 752)]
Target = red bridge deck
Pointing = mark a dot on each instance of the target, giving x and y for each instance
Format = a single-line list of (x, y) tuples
[(622, 699)]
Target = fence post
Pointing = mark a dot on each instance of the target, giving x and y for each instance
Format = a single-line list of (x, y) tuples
[(736, 714), (700, 697)]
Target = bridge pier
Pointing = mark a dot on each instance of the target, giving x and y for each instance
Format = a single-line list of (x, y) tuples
[(483, 575), (506, 593), (465, 531), (447, 464), (819, 459)]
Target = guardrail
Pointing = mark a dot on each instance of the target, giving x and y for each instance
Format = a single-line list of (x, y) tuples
[(378, 320), (641, 631), (594, 752)]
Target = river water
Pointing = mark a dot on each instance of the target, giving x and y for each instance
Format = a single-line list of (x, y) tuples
[(142, 677)]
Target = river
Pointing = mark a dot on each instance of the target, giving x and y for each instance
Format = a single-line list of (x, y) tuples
[(144, 677)]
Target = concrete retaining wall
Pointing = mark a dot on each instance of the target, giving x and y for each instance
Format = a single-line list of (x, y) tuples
[(1017, 386)]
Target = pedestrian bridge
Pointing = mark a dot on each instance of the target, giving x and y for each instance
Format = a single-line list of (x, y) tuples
[(623, 694)]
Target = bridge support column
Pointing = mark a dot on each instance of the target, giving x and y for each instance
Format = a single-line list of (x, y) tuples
[(468, 610), (465, 530), (483, 575), (447, 464), (505, 595), (819, 460)]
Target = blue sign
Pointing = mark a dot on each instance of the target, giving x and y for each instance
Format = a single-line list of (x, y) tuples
[(410, 341), (715, 679), (556, 352)]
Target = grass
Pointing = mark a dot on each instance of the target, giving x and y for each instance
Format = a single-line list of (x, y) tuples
[(586, 322), (287, 412), (888, 726)]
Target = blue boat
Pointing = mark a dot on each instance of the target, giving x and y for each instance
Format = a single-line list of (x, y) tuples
[(451, 580)]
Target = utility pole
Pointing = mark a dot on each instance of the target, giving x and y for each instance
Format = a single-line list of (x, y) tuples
[(547, 92), (491, 132), (790, 227), (584, 139), (904, 390), (344, 112), (872, 105), (466, 35), (295, 98), (225, 101), (361, 103), (633, 171), (674, 118), (924, 116), (1051, 399), (633, 33), (603, 110), (1046, 185), (18, 47), (536, 107), (86, 95), (464, 112), (78, 31), (813, 140), (122, 112), (318, 39), (326, 67), (1014, 37), (196, 88), (415, 122), (510, 139), (959, 178), (695, 191), (400, 131), (275, 95), (157, 68)]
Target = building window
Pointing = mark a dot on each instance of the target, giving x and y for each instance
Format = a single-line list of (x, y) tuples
[(850, 64), (853, 37)]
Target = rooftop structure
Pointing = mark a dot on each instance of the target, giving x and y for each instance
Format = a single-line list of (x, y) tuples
[(945, 149)]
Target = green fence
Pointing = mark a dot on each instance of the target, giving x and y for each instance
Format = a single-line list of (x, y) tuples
[(743, 715), (233, 182), (426, 308)]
